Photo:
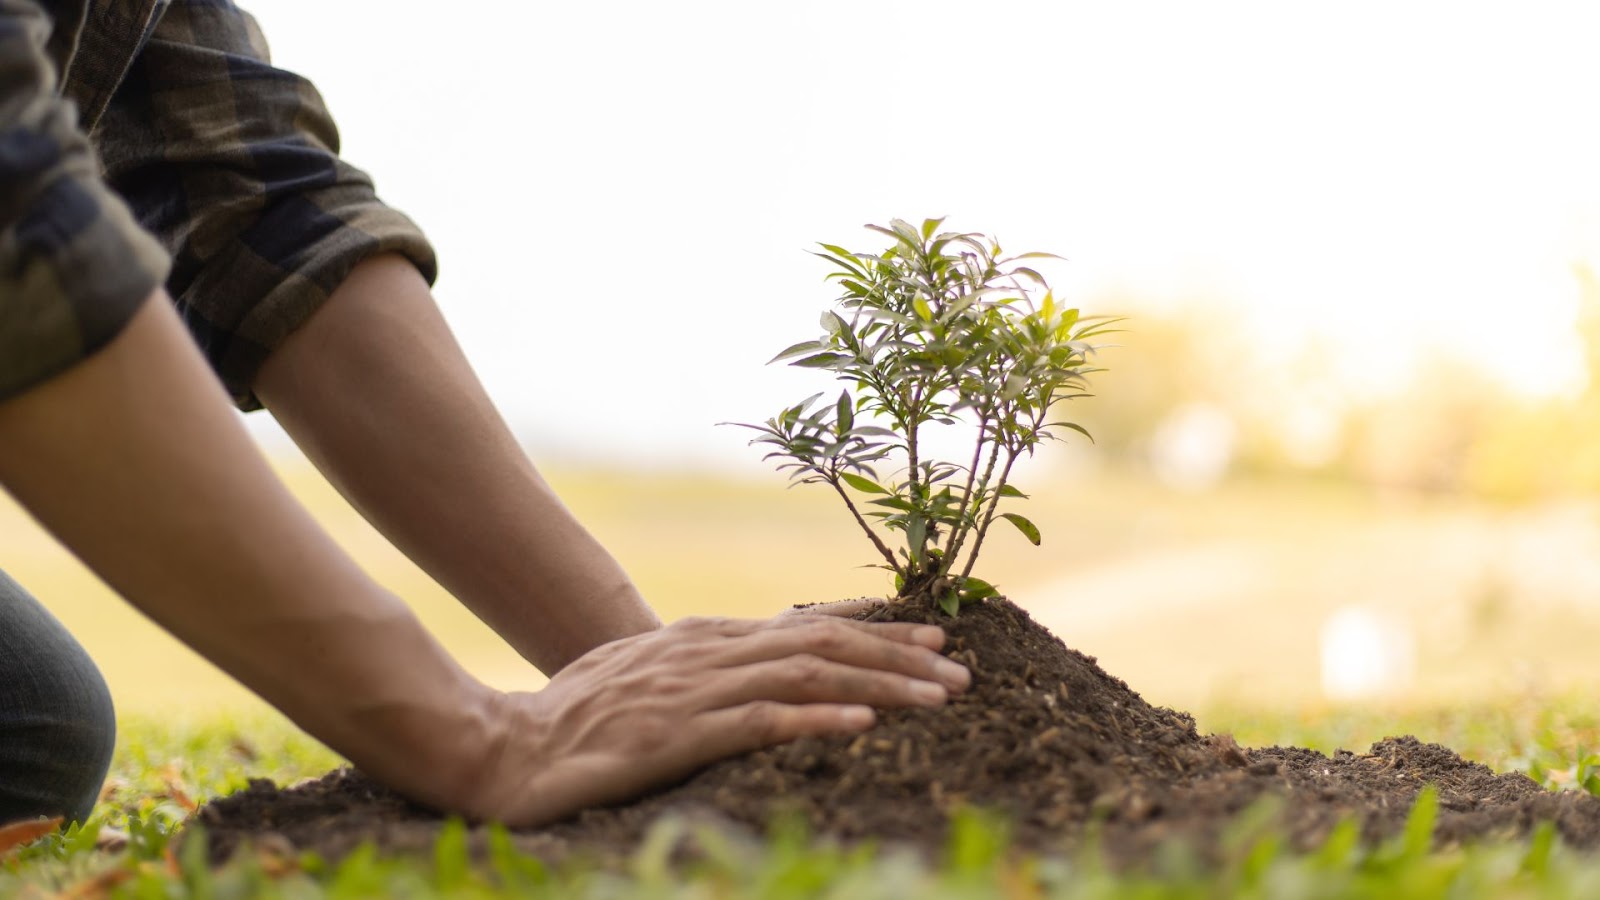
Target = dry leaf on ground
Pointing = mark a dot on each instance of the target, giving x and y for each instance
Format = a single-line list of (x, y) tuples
[(16, 834)]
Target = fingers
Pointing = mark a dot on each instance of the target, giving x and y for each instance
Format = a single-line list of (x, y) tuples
[(753, 726), (930, 636), (837, 641), (812, 679)]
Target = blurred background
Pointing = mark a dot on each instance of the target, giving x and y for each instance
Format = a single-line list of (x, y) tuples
[(1348, 450)]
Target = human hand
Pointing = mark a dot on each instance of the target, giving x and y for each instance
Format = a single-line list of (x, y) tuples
[(651, 709)]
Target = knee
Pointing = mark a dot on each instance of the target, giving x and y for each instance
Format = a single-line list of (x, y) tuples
[(58, 747), (91, 730), (57, 724), (98, 736)]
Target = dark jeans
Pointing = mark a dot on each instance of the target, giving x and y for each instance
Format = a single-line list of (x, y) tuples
[(56, 722)]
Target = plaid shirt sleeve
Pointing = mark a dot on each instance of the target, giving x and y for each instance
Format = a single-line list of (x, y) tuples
[(233, 165), (73, 265)]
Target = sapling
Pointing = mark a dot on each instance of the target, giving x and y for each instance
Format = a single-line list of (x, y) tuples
[(937, 328)]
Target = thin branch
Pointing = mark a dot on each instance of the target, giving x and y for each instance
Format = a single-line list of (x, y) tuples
[(956, 530), (983, 485), (915, 417), (994, 502), (888, 555)]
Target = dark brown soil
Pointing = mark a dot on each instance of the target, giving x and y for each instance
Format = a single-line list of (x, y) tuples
[(1044, 737)]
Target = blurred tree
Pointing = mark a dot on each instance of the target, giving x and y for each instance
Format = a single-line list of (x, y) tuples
[(1451, 426)]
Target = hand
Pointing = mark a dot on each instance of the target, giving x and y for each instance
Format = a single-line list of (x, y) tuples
[(648, 710)]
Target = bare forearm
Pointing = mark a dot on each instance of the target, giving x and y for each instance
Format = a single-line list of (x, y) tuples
[(135, 461), (378, 393)]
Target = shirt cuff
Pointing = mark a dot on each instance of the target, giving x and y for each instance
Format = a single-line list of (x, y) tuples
[(74, 268)]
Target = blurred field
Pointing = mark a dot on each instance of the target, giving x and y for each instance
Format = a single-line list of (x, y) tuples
[(1199, 599)]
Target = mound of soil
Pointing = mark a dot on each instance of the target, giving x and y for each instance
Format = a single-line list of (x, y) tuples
[(1043, 736)]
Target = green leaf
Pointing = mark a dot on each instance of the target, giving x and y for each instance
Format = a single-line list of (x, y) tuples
[(1417, 838), (1075, 427), (894, 503), (916, 537), (840, 261), (844, 413), (450, 863), (516, 873), (797, 349), (1028, 529), (924, 312), (877, 431), (909, 241), (1007, 490), (929, 226), (977, 589), (864, 485), (820, 361), (1341, 848), (950, 602), (1537, 861)]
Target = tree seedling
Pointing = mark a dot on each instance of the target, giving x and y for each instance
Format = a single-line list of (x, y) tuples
[(939, 328)]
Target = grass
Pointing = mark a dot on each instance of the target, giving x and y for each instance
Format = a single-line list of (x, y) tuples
[(164, 768), (1504, 627)]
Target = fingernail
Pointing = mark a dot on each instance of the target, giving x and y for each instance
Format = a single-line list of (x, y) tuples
[(929, 694), (929, 636), (856, 718), (953, 674)]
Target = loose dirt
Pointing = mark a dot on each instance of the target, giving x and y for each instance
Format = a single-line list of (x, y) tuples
[(1043, 737)]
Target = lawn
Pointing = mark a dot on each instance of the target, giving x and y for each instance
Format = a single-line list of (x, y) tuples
[(1207, 601), (164, 768)]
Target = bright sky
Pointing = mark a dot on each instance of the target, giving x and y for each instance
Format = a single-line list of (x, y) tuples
[(622, 192)]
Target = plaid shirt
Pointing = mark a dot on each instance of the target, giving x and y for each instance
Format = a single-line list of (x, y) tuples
[(148, 141)]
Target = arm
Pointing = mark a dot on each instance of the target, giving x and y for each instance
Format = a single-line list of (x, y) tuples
[(114, 434), (134, 460), (376, 391)]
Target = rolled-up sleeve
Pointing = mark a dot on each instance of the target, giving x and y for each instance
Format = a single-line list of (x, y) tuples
[(234, 165), (74, 264)]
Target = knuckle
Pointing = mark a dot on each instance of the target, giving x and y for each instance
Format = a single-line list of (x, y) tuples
[(807, 666), (829, 637), (763, 719)]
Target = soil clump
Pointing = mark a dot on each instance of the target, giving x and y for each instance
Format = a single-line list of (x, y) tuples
[(1043, 737)]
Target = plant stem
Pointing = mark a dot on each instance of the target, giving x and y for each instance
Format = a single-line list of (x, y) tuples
[(957, 531), (988, 473), (871, 535), (994, 502), (915, 421)]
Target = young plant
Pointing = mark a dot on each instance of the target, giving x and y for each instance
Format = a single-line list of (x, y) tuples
[(938, 328)]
